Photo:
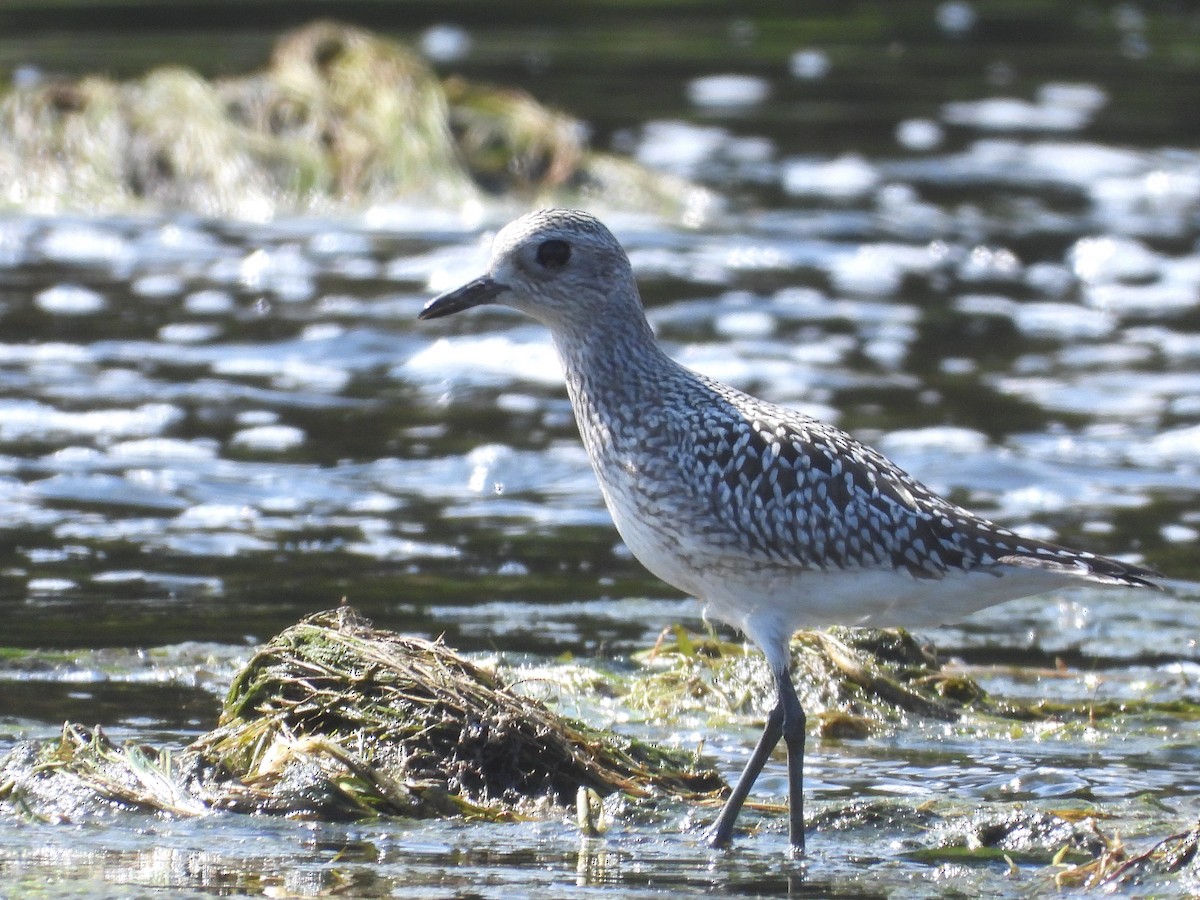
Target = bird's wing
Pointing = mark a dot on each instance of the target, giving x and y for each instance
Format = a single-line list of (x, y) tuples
[(794, 491)]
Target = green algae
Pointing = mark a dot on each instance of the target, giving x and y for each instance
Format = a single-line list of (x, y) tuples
[(854, 681), (335, 720), (339, 120), (848, 679), (429, 716)]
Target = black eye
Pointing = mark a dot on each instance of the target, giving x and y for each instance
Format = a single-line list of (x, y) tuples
[(553, 254)]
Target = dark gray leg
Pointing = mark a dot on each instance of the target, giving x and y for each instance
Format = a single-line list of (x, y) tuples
[(787, 721), (722, 829), (793, 738)]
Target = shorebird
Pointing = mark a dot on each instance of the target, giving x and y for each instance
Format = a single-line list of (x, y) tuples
[(774, 520)]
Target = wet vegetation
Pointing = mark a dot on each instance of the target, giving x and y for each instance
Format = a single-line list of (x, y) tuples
[(335, 720), (340, 119)]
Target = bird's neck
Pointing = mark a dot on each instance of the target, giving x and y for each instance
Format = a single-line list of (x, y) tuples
[(610, 355), (617, 377)]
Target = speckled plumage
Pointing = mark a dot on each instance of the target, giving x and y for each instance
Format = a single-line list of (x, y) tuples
[(773, 519)]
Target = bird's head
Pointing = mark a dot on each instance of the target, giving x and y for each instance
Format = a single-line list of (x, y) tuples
[(560, 266)]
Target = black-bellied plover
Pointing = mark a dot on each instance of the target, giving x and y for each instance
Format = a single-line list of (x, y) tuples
[(774, 520)]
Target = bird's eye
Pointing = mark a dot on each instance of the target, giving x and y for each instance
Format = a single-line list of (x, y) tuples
[(553, 254)]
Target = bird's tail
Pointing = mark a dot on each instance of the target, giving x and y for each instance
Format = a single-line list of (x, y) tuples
[(1087, 566)]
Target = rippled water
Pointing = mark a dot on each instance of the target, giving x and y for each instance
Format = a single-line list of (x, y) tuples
[(210, 428)]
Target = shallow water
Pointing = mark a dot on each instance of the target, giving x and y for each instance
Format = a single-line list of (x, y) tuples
[(210, 428)]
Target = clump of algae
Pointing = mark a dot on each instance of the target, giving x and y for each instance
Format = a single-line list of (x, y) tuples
[(850, 680), (334, 719), (419, 714), (339, 119)]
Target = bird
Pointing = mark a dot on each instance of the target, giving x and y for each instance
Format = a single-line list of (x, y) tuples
[(774, 520)]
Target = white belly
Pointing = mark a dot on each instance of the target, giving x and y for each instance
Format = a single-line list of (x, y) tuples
[(770, 607), (769, 603)]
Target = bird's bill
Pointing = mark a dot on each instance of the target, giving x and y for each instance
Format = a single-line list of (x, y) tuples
[(479, 292)]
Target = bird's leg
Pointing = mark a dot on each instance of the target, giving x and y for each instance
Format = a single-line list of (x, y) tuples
[(787, 721), (722, 829), (793, 738)]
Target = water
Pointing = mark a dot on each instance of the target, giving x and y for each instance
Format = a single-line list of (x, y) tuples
[(978, 253)]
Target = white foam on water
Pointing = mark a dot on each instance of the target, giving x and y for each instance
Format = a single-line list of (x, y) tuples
[(189, 332), (218, 516), (1103, 356), (274, 438), (394, 549), (406, 217), (809, 64), (990, 264), (1050, 279), (174, 243), (1076, 95), (901, 210), (50, 585), (1014, 114), (445, 43), (1175, 346), (1093, 394), (442, 269), (257, 417), (848, 177), (157, 285), (679, 147), (958, 365), (728, 90), (919, 135), (79, 243), (163, 449), (801, 302), (484, 359), (70, 300), (1143, 299), (287, 371), (337, 243), (1111, 258), (201, 544), (1160, 197), (285, 271), (1177, 446), (15, 234), (1077, 163), (31, 420), (1062, 321), (755, 372), (1179, 534), (985, 305), (941, 438), (887, 353), (955, 17), (1038, 531), (750, 323), (104, 489), (209, 302), (374, 502), (879, 269)]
